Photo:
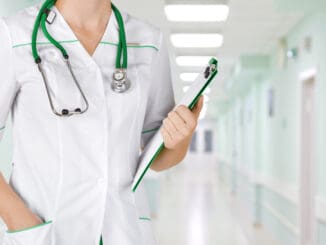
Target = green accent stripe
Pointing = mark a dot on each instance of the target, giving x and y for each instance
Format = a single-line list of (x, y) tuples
[(43, 43), (145, 218), (149, 130), (109, 43), (76, 41), (30, 228), (3, 127), (143, 46)]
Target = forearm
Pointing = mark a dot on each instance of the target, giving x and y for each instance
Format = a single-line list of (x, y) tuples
[(171, 157), (177, 130), (13, 210), (8, 199)]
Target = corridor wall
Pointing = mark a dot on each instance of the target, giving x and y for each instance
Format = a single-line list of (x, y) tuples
[(260, 136)]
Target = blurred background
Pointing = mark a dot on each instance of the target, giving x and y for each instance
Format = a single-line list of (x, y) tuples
[(256, 169)]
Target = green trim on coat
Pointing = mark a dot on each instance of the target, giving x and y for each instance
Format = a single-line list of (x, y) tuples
[(149, 130), (145, 218), (30, 228), (75, 41)]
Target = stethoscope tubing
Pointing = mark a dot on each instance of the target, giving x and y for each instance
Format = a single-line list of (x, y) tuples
[(41, 21)]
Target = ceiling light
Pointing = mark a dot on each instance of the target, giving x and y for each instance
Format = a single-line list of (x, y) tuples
[(187, 40), (185, 88), (193, 60), (197, 12), (188, 77)]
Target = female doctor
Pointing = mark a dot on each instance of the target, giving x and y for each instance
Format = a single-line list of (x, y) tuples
[(87, 86)]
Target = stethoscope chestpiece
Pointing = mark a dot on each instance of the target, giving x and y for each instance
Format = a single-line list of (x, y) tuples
[(120, 81)]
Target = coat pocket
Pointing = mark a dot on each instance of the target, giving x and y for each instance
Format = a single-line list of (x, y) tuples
[(144, 217), (142, 205), (36, 235)]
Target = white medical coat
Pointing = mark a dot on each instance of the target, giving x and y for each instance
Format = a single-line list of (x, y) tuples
[(76, 172)]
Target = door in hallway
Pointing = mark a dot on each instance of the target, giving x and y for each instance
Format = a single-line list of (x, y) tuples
[(307, 173)]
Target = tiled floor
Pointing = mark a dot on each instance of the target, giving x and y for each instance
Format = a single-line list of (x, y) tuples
[(195, 209)]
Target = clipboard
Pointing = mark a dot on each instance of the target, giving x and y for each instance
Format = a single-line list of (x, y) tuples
[(190, 98)]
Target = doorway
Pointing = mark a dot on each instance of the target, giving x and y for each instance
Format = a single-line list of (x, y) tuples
[(307, 167)]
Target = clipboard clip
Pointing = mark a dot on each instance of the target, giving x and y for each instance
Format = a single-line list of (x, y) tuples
[(210, 69)]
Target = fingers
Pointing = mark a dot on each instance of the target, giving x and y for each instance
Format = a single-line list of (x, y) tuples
[(169, 125), (188, 116), (166, 135), (167, 138), (180, 124)]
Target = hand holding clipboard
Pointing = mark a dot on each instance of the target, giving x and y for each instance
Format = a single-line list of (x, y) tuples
[(156, 144)]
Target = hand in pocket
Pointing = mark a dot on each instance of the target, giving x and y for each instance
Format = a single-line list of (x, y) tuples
[(23, 219)]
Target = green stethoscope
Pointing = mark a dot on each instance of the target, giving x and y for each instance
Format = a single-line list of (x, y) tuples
[(120, 82)]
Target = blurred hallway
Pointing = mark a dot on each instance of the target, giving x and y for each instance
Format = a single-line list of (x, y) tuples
[(255, 173), (196, 208)]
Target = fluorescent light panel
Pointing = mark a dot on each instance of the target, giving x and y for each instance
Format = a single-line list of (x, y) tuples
[(185, 88), (192, 60), (189, 40), (197, 12)]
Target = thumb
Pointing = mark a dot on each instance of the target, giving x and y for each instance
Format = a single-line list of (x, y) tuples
[(198, 107)]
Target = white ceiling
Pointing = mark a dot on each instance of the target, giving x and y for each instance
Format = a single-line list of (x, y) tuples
[(253, 27)]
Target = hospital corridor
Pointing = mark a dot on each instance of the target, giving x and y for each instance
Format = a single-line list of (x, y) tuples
[(255, 170)]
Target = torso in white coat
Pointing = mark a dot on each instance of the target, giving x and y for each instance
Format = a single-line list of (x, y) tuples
[(76, 172)]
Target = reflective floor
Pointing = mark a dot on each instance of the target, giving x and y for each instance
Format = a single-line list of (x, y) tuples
[(196, 209)]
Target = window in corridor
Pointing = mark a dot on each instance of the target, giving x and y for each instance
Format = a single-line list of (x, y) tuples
[(208, 134)]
